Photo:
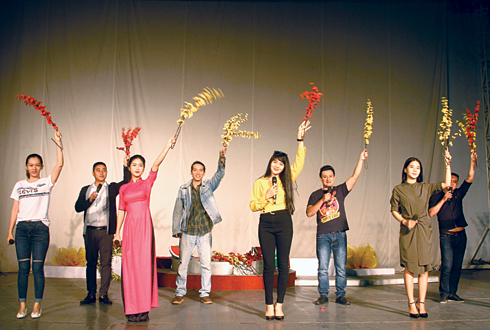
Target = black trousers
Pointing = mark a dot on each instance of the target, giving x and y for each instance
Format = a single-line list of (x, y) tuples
[(276, 232), (98, 241)]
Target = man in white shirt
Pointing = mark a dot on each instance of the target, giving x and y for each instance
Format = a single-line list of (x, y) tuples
[(98, 202)]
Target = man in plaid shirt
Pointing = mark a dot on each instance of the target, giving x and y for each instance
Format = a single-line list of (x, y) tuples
[(195, 214)]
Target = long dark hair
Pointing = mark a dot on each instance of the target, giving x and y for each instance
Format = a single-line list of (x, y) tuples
[(420, 178), (284, 176), (33, 156)]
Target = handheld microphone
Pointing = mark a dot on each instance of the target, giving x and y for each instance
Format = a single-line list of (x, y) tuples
[(99, 187), (328, 191), (11, 242), (274, 182), (117, 242)]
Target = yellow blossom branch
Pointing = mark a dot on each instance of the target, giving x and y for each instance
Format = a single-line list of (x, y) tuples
[(231, 126), (202, 99), (368, 126)]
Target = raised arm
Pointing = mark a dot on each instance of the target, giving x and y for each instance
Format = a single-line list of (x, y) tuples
[(55, 174), (305, 125), (350, 183), (220, 172), (161, 157), (471, 171), (447, 161)]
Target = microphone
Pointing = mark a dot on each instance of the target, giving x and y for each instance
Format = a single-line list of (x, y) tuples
[(99, 187), (11, 242), (274, 183), (328, 191)]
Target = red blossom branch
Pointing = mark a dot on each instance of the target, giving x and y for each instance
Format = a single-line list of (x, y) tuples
[(29, 100), (128, 138), (314, 98)]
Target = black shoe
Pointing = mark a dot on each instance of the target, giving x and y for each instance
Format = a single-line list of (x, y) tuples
[(143, 317), (455, 297), (423, 315), (341, 300), (105, 299), (88, 300), (412, 315), (322, 300), (443, 298)]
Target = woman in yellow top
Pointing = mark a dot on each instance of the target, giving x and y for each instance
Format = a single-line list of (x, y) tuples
[(272, 195)]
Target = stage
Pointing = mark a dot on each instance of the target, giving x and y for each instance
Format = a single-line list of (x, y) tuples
[(372, 307)]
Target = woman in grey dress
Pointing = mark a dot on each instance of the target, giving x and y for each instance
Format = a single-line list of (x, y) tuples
[(409, 206)]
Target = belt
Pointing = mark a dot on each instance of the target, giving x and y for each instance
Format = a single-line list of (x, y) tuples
[(453, 233), (97, 228), (275, 212)]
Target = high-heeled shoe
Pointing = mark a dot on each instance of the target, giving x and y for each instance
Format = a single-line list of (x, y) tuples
[(21, 315), (269, 317), (424, 315), (278, 317), (36, 315), (414, 316)]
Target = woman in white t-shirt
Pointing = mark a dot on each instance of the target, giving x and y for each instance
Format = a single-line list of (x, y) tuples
[(30, 218)]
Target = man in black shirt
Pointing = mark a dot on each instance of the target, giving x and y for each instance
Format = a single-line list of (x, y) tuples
[(448, 205), (328, 205)]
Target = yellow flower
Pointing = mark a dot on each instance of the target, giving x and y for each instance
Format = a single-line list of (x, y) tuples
[(206, 97)]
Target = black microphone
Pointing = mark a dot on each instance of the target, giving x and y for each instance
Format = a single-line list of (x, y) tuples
[(274, 183), (99, 187), (328, 191), (11, 242)]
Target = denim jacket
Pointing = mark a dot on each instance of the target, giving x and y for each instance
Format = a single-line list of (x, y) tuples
[(183, 202)]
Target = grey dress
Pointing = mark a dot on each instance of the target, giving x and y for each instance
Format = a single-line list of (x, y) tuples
[(409, 199)]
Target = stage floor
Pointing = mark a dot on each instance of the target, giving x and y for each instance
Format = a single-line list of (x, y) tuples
[(372, 307)]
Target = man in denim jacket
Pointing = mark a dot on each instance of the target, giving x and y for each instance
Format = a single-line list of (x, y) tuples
[(195, 214)]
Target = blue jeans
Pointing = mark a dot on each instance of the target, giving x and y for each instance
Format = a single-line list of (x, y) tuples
[(452, 254), (187, 244), (325, 244), (31, 238)]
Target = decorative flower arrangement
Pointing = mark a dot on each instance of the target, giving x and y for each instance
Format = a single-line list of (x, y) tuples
[(69, 257), (116, 251), (368, 126), (313, 98), (444, 130), (242, 263), (469, 127), (231, 126), (128, 138), (206, 97), (363, 256), (29, 100)]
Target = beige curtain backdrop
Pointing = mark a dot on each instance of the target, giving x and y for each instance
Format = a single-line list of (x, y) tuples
[(99, 66)]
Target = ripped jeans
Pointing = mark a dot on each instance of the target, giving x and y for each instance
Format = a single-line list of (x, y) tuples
[(31, 239)]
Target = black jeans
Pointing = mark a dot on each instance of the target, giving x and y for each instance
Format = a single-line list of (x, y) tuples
[(275, 232), (452, 254), (98, 241), (31, 239)]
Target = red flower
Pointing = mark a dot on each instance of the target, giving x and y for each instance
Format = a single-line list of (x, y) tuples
[(29, 100)]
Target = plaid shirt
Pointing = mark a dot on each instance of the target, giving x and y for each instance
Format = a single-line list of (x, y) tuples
[(199, 221)]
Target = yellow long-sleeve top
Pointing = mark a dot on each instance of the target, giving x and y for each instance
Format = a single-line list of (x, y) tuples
[(257, 199)]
